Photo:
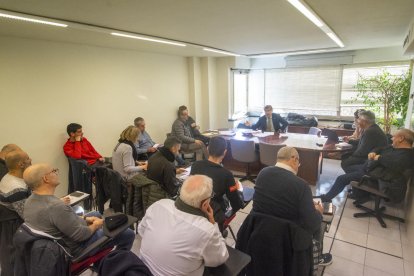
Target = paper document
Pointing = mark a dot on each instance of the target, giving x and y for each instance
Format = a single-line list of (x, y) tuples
[(227, 132), (343, 145), (184, 175), (77, 197), (264, 134), (156, 145)]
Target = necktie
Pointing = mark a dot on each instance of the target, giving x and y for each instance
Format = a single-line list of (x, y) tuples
[(269, 125)]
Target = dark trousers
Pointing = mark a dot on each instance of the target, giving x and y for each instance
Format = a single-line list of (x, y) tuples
[(349, 163), (357, 172)]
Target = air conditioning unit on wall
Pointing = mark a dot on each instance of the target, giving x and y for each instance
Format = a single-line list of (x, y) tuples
[(408, 44)]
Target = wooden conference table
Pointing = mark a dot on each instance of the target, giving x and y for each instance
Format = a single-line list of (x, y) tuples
[(309, 147)]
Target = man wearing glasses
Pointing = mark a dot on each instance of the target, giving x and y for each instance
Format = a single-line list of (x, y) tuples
[(282, 194), (45, 212), (181, 237)]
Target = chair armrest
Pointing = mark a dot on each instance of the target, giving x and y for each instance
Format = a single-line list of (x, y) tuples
[(371, 190), (91, 249)]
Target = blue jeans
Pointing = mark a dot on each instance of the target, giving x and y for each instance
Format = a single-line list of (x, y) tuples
[(123, 241)]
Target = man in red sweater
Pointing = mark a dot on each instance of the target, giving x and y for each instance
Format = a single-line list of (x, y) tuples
[(78, 147)]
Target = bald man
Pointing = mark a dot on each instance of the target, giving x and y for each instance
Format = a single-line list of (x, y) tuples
[(181, 237), (13, 189), (282, 194), (4, 151), (45, 212)]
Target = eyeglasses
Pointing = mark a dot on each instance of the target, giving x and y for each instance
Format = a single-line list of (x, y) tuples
[(210, 197), (55, 171)]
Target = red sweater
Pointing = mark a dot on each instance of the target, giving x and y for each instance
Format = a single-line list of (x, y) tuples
[(81, 150)]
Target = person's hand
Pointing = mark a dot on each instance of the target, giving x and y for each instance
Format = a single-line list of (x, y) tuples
[(179, 170), (377, 157), (193, 125), (144, 166), (371, 156), (206, 209), (66, 200), (97, 222), (102, 159), (318, 206), (247, 123), (199, 142), (90, 220), (346, 139), (151, 149)]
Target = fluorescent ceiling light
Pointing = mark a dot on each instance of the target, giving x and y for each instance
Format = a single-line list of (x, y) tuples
[(5, 15), (336, 39), (220, 52), (312, 16), (149, 39), (307, 12)]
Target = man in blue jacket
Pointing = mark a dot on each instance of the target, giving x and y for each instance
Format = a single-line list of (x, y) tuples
[(270, 122)]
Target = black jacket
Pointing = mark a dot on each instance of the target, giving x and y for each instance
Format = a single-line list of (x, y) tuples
[(3, 168), (123, 263), (161, 169), (37, 255), (278, 123), (280, 193), (276, 246), (80, 178), (110, 185)]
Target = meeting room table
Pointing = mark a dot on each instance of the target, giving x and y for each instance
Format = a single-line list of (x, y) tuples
[(310, 149)]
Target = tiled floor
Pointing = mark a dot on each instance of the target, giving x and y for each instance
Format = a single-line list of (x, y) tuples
[(360, 246)]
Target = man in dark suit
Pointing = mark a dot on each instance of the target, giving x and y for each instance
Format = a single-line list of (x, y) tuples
[(270, 121), (372, 137)]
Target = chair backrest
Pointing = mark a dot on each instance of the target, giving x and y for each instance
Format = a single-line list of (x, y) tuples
[(276, 246), (110, 185), (80, 176), (243, 150), (314, 131), (268, 153)]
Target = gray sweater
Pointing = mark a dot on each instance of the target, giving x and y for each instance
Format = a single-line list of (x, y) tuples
[(182, 131), (49, 214)]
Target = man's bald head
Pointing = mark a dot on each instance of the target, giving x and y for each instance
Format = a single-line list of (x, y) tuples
[(403, 138), (17, 160), (33, 176), (195, 189), (286, 153), (8, 148)]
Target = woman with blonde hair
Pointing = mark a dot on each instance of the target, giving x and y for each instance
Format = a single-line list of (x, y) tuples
[(124, 156)]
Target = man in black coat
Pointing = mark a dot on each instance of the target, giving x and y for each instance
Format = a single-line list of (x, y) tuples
[(386, 164), (372, 137), (282, 194), (161, 166), (270, 121)]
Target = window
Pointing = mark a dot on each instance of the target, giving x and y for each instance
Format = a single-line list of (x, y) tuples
[(350, 78), (325, 90)]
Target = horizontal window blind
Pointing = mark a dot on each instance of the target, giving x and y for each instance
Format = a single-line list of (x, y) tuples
[(350, 79), (304, 90)]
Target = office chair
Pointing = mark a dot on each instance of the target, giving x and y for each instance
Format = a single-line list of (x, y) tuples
[(315, 131), (378, 211), (268, 153), (245, 152)]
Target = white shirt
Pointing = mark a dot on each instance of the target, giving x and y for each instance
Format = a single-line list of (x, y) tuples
[(178, 243), (286, 167)]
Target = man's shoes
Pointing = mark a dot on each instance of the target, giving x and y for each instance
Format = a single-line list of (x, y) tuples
[(325, 259)]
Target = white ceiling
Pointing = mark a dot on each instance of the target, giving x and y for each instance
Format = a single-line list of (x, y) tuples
[(246, 27)]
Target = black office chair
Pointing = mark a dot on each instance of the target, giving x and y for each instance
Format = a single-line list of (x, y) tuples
[(80, 179), (370, 186)]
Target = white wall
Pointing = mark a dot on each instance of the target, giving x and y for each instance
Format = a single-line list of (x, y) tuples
[(46, 85)]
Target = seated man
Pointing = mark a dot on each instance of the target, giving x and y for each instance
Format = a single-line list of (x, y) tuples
[(223, 180), (181, 237), (181, 130), (4, 151), (161, 166), (280, 193), (78, 147), (45, 212), (386, 164), (13, 193), (270, 122), (12, 185), (145, 145), (371, 138)]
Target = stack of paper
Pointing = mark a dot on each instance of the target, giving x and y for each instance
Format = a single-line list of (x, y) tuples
[(227, 133)]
